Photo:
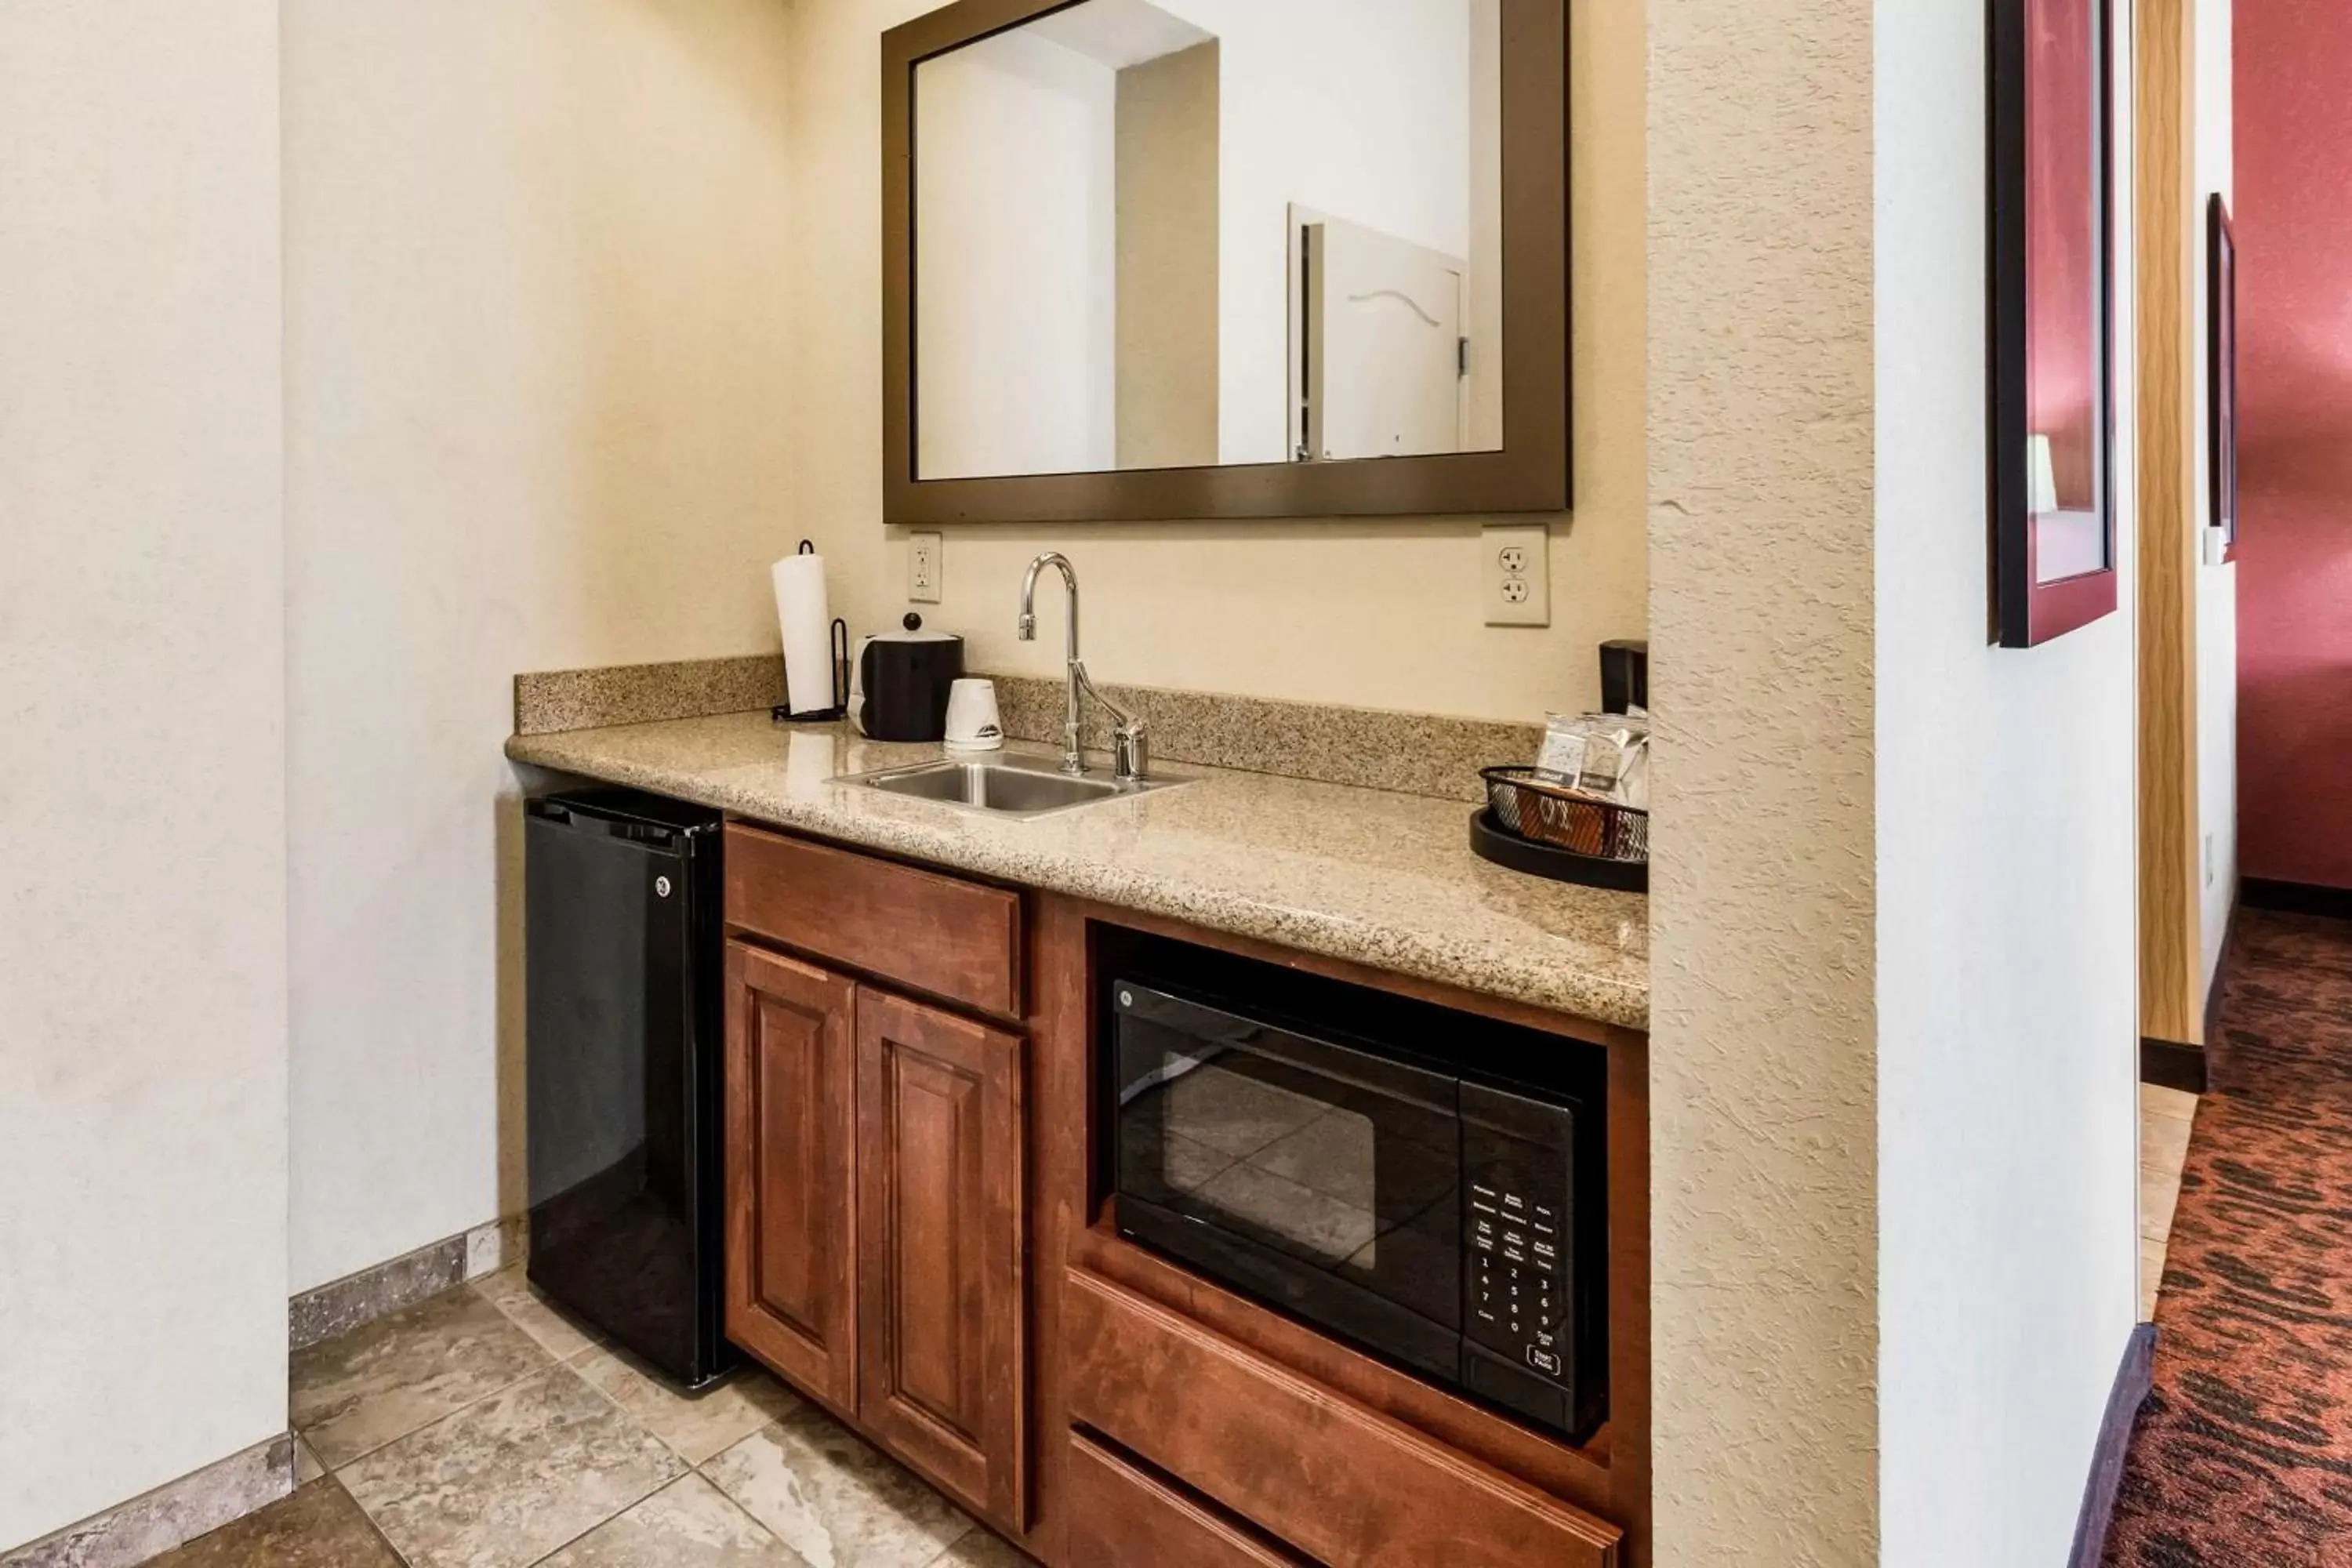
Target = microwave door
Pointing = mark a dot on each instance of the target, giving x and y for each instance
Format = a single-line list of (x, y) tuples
[(1328, 1172), (1435, 1094)]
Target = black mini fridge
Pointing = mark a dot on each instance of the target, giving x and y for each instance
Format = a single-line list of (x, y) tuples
[(623, 1063)]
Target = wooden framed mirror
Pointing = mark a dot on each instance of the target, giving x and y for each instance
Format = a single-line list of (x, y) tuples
[(1177, 259)]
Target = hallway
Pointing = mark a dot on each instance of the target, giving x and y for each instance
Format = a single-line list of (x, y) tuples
[(2244, 1454)]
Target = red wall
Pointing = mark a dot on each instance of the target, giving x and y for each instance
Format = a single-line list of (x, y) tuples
[(2293, 217)]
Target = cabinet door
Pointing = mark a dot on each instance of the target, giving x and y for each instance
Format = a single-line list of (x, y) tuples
[(941, 1296), (791, 1187)]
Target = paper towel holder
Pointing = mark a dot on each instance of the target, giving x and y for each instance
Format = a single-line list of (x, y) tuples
[(838, 643), (840, 708)]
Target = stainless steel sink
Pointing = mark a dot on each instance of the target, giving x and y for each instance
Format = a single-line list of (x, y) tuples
[(1006, 785)]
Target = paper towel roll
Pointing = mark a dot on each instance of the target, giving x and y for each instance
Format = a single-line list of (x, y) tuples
[(806, 616)]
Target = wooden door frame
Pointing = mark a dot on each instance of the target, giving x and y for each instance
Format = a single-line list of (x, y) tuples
[(2171, 858)]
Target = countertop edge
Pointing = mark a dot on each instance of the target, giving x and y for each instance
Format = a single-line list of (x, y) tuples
[(1595, 999)]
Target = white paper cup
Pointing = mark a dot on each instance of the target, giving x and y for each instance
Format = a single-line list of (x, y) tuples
[(973, 723)]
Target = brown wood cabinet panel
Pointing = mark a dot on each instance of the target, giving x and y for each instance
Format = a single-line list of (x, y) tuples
[(941, 1302), (1060, 1111), (790, 1137), (1582, 1477), (951, 939), (1335, 1479), (1608, 1477), (1120, 1515)]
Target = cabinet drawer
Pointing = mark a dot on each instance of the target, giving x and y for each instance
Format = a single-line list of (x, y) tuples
[(1118, 1514), (1335, 1480), (951, 939)]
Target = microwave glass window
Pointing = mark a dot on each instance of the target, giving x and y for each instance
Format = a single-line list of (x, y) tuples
[(1293, 1169), (1343, 1178)]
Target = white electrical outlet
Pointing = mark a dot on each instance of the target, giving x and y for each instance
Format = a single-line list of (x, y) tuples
[(1518, 576), (926, 560)]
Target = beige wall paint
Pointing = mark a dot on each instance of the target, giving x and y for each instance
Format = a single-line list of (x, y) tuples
[(539, 298), (1386, 614), (1764, 1029), (1167, 260), (142, 934)]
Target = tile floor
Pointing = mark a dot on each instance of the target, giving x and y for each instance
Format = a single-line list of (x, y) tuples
[(2164, 1115), (482, 1429)]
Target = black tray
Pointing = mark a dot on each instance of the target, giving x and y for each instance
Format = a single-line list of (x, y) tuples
[(1489, 842)]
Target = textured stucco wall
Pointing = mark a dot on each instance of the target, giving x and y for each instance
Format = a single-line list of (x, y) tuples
[(1760, 504), (142, 913)]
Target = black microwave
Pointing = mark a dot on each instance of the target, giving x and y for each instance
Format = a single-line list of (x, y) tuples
[(1426, 1184)]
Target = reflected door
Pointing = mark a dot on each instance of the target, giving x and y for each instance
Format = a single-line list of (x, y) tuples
[(1386, 362)]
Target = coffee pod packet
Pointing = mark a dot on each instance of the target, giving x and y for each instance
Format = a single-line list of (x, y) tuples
[(1604, 755)]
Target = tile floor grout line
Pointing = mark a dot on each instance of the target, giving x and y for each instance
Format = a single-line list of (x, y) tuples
[(702, 1469), (608, 1519), (375, 1529), (594, 1345), (729, 1498), (634, 1419), (543, 1372), (548, 1364), (630, 1417), (972, 1525), (949, 1550), (303, 1434), (553, 1365)]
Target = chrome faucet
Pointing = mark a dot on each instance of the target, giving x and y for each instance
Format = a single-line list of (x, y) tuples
[(1130, 751)]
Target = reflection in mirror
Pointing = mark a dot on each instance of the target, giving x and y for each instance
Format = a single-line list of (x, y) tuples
[(2065, 307), (1167, 234)]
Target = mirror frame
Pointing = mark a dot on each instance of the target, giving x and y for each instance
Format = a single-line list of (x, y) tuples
[(1532, 472)]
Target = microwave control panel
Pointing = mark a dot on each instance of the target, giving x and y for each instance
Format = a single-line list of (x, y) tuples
[(1516, 1234), (1518, 1270), (1527, 1343), (1518, 1289)]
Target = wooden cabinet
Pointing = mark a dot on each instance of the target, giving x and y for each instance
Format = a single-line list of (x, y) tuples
[(875, 1174), (1118, 1514), (920, 931), (941, 1299), (917, 1240), (791, 1185), (1335, 1480)]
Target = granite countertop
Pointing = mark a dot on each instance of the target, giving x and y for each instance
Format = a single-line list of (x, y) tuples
[(1380, 878)]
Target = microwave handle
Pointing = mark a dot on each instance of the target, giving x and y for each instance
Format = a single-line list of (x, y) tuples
[(1381, 1075)]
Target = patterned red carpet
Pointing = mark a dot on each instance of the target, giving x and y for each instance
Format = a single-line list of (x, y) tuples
[(2243, 1455)]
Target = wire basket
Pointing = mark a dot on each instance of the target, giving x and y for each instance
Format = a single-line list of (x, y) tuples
[(1526, 802)]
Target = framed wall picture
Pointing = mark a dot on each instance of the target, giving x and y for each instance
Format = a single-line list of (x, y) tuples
[(2052, 314), (2221, 359)]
